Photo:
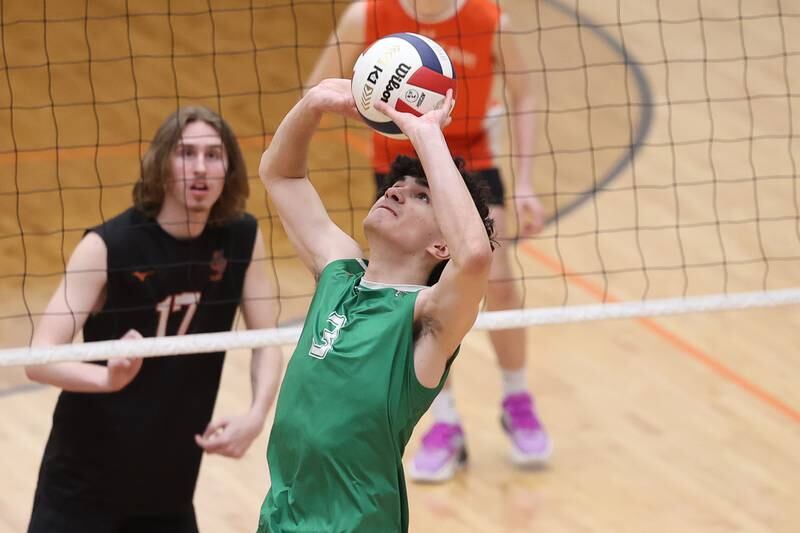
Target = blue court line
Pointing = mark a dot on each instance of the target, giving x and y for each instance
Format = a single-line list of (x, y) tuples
[(642, 129), (645, 118)]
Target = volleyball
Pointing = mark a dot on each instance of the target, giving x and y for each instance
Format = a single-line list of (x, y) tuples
[(409, 72)]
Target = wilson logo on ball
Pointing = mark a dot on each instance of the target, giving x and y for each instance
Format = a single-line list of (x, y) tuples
[(409, 72), (394, 82)]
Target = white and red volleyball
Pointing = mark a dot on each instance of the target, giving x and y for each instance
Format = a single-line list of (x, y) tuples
[(410, 72)]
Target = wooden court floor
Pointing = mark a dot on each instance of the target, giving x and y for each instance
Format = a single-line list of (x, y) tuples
[(688, 423)]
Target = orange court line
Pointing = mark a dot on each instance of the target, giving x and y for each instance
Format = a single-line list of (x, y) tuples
[(671, 338)]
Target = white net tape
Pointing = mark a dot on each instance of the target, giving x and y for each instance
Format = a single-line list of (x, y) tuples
[(214, 342)]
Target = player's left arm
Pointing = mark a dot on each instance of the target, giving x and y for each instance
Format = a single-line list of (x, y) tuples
[(283, 171), (513, 64), (232, 435), (447, 310)]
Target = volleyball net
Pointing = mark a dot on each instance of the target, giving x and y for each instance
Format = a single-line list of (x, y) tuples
[(665, 153)]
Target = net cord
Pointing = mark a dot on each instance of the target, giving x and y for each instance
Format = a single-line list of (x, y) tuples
[(216, 342)]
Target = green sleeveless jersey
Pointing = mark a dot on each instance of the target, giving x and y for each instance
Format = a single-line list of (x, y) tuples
[(347, 406)]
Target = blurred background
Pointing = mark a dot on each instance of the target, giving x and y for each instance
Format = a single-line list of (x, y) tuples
[(666, 158)]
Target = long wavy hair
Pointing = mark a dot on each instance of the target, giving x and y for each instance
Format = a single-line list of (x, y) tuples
[(149, 191)]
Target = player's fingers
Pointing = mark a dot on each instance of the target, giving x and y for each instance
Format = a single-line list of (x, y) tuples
[(207, 444), (448, 100), (217, 445), (119, 363), (386, 109), (132, 334), (214, 426)]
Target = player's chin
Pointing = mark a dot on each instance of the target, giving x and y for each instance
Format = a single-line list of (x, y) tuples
[(379, 218), (199, 207), (202, 202), (371, 214)]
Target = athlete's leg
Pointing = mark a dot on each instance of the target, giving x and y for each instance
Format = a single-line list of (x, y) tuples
[(530, 443), (503, 294)]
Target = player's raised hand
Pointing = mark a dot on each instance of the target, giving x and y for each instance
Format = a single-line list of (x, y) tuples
[(333, 95), (530, 213), (409, 123)]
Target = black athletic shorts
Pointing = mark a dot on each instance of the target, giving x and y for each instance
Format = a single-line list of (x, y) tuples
[(51, 519), (490, 175)]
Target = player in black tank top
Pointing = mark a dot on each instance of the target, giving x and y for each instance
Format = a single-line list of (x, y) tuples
[(128, 436)]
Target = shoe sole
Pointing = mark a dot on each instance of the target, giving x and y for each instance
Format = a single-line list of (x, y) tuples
[(446, 473), (538, 460), (530, 460)]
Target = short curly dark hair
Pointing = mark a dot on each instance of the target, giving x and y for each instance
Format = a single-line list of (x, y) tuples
[(404, 166)]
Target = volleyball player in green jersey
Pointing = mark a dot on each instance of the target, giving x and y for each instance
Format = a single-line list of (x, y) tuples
[(381, 334)]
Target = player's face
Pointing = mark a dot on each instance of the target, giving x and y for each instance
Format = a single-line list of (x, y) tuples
[(405, 214), (198, 164)]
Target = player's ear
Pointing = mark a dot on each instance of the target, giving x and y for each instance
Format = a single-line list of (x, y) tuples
[(439, 250)]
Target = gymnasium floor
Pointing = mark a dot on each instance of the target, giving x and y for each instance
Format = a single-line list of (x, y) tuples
[(687, 423)]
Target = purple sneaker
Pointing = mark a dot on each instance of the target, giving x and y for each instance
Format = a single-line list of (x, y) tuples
[(530, 445), (441, 454)]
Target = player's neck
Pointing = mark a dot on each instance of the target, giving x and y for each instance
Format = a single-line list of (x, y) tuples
[(182, 225), (431, 11), (395, 271)]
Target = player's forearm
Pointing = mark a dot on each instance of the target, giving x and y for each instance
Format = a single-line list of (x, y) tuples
[(266, 366), (456, 214), (72, 377), (287, 155)]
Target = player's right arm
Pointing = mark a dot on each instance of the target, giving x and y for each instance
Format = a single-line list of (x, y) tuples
[(343, 47), (284, 165), (81, 291)]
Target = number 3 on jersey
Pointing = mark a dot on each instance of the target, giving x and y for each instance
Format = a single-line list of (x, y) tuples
[(184, 301), (329, 336)]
